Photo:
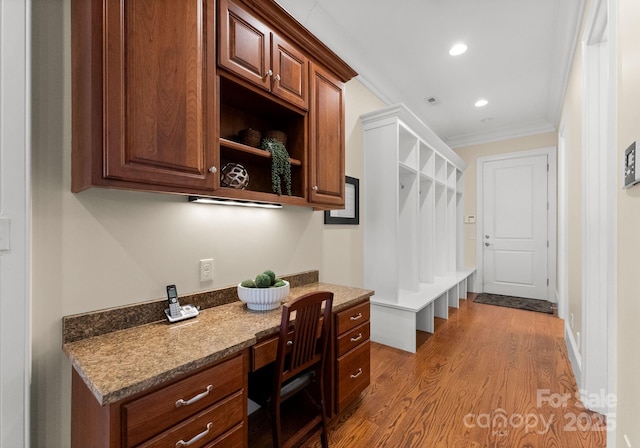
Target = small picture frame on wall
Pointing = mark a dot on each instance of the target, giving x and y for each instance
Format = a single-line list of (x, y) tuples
[(350, 214)]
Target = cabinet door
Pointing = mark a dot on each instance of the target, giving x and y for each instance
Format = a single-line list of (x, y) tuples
[(159, 92), (326, 146), (244, 44), (290, 72)]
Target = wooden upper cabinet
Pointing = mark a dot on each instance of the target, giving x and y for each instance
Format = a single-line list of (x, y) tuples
[(252, 50), (327, 139), (162, 88), (156, 93), (290, 72), (244, 45)]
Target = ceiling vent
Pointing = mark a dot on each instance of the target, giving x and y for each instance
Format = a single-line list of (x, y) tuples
[(432, 100)]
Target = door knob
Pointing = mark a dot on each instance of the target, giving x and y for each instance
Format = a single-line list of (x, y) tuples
[(213, 170)]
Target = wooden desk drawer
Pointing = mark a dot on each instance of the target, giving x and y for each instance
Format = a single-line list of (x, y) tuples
[(231, 439), (353, 372), (204, 427), (352, 338), (352, 317), (264, 353), (159, 410)]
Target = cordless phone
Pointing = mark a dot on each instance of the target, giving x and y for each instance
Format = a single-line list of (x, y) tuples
[(172, 297), (175, 312)]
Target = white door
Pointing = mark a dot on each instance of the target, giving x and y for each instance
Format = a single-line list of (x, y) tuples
[(514, 227)]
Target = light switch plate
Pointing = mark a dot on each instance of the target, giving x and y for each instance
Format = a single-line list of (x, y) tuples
[(5, 234)]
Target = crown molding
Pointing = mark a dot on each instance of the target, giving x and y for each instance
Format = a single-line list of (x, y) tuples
[(505, 133)]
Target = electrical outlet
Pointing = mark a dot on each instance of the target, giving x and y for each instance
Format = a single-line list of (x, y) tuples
[(206, 270)]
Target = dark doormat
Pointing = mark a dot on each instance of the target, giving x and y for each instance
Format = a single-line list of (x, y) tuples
[(541, 306)]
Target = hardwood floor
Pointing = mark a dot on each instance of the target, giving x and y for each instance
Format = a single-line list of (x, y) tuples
[(488, 377)]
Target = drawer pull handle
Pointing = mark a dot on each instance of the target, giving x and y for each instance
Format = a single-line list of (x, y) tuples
[(356, 317), (198, 397), (357, 374), (182, 443), (357, 338)]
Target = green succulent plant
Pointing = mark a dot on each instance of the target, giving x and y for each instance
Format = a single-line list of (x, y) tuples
[(280, 166), (271, 275), (263, 281), (248, 283)]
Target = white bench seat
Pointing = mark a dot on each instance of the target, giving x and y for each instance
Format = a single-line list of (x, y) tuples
[(394, 323)]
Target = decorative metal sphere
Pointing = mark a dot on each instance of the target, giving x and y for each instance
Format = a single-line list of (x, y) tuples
[(234, 175)]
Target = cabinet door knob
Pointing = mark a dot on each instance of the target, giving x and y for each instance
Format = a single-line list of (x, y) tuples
[(315, 188), (213, 170), (269, 72), (277, 77)]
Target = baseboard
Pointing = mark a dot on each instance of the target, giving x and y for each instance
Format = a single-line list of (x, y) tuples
[(574, 354)]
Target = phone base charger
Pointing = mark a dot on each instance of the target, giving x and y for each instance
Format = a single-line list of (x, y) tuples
[(184, 312)]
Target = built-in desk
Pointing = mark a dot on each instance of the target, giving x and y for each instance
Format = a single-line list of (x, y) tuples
[(126, 377)]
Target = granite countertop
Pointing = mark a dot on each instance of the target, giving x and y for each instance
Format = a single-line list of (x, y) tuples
[(121, 363)]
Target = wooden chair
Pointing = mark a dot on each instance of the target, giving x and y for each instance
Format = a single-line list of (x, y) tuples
[(300, 362)]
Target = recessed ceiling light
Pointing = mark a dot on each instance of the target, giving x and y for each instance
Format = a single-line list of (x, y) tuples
[(481, 103), (458, 49)]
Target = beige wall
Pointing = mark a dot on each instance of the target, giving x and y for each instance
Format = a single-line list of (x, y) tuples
[(105, 248), (628, 231), (470, 155), (343, 245)]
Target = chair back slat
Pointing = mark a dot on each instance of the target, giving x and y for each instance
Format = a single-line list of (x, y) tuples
[(307, 335), (302, 350)]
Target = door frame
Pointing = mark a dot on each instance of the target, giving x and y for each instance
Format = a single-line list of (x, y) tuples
[(599, 214), (551, 153), (15, 208)]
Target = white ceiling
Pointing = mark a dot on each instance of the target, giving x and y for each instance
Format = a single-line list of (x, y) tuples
[(519, 57)]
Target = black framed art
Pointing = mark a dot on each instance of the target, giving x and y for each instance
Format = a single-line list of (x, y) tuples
[(350, 214)]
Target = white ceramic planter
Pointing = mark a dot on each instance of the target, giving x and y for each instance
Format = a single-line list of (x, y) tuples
[(263, 299)]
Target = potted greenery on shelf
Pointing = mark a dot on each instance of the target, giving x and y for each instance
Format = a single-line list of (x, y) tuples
[(280, 166)]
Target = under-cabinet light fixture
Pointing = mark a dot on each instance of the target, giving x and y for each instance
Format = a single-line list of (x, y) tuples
[(237, 202), (481, 103)]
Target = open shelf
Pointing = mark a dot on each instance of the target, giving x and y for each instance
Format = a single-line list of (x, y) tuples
[(407, 148), (235, 146)]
